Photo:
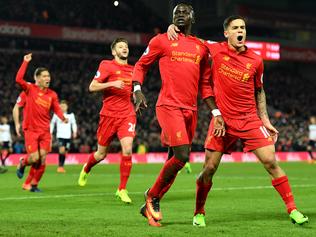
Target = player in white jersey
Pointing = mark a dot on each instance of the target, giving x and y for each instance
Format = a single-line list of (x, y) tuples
[(64, 133), (312, 138), (5, 142)]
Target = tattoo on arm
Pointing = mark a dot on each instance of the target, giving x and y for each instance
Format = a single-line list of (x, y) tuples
[(261, 103)]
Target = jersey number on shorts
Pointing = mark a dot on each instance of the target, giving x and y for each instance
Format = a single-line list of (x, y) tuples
[(131, 127)]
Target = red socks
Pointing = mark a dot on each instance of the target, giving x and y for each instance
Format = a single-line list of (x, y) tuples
[(29, 178), (38, 174), (167, 175), (283, 187), (202, 190), (91, 162), (125, 170)]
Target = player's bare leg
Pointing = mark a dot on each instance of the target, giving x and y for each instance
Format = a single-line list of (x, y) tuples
[(280, 182), (204, 184), (93, 159), (125, 169)]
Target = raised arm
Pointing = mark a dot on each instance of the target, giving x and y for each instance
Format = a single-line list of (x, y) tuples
[(21, 72)]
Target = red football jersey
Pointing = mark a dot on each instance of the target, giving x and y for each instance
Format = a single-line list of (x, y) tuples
[(116, 102), (235, 77), (39, 103), (183, 68)]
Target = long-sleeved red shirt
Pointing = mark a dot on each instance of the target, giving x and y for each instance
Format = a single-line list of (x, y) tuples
[(235, 77), (183, 68), (116, 102), (39, 103)]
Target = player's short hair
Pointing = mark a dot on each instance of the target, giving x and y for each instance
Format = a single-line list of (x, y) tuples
[(186, 5), (229, 19), (118, 40), (63, 102), (39, 70)]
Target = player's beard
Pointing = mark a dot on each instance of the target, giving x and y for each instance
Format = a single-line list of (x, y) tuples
[(122, 57)]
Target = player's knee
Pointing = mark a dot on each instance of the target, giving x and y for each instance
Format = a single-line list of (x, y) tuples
[(271, 164), (34, 158), (210, 168), (127, 151), (183, 156), (100, 155), (62, 150)]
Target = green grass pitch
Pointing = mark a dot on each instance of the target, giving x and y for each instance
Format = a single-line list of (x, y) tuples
[(241, 203)]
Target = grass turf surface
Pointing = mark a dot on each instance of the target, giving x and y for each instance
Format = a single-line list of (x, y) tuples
[(242, 203)]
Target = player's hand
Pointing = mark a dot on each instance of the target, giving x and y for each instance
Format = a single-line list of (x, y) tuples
[(172, 32), (28, 57), (17, 129), (140, 101), (219, 126), (118, 84), (65, 120), (272, 130)]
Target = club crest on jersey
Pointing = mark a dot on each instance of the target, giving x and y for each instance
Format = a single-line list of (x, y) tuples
[(174, 44), (179, 134), (97, 75), (40, 94), (245, 77), (146, 51), (118, 72), (197, 47), (248, 65), (226, 58)]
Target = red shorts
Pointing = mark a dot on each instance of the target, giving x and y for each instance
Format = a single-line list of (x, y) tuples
[(250, 131), (109, 127), (36, 140), (177, 124)]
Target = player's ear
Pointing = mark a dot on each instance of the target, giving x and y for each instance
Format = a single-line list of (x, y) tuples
[(225, 34), (192, 16), (113, 53)]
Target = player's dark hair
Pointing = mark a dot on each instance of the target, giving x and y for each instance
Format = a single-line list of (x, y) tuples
[(118, 40), (39, 70), (190, 8), (64, 102), (229, 19)]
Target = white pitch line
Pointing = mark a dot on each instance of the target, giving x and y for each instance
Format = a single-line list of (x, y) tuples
[(111, 194)]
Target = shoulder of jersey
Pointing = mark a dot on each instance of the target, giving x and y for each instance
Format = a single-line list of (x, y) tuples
[(105, 61), (253, 54)]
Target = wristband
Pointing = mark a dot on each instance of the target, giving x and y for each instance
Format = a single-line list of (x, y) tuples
[(216, 112), (137, 88)]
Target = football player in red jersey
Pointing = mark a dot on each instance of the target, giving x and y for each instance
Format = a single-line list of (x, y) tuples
[(20, 103), (117, 116), (40, 101), (237, 78), (184, 70)]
